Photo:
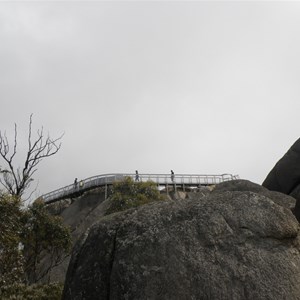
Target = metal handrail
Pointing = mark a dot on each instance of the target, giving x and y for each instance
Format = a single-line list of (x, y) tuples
[(160, 179)]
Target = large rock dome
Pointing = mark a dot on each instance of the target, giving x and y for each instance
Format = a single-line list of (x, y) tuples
[(233, 243)]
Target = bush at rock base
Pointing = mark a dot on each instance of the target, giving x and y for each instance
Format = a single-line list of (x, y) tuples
[(11, 258), (18, 291)]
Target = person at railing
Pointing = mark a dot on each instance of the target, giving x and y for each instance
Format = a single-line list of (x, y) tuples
[(75, 183), (172, 175), (137, 176)]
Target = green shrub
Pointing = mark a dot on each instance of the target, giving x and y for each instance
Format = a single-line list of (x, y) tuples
[(43, 234), (11, 258), (128, 194), (27, 235), (19, 291)]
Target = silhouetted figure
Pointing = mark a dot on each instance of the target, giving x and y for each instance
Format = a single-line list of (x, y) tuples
[(172, 175), (137, 176), (75, 183)]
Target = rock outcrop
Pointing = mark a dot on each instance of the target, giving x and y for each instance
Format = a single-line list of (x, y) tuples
[(285, 176), (82, 212), (238, 242), (79, 214), (246, 185)]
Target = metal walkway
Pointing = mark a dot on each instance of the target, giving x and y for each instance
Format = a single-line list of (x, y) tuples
[(106, 180)]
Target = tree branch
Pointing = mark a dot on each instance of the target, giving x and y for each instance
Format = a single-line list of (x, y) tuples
[(14, 180)]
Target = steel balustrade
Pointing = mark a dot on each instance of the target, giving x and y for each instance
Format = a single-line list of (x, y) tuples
[(159, 179)]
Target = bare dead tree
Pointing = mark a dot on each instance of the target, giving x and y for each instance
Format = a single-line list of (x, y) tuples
[(17, 180)]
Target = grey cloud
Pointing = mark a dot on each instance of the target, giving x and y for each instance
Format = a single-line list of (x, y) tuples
[(197, 87)]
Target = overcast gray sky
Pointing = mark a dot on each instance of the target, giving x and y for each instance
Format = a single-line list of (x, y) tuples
[(197, 87)]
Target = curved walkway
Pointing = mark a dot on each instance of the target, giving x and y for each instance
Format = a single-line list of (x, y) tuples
[(160, 179)]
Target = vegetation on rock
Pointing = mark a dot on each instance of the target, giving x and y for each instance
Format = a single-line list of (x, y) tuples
[(128, 194), (15, 291)]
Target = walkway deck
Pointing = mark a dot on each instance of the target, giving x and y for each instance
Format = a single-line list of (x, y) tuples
[(106, 180)]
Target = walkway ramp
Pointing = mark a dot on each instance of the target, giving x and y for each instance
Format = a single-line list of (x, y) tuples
[(105, 180)]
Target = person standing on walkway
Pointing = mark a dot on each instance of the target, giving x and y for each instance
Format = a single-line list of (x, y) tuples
[(75, 183), (137, 176), (172, 175)]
